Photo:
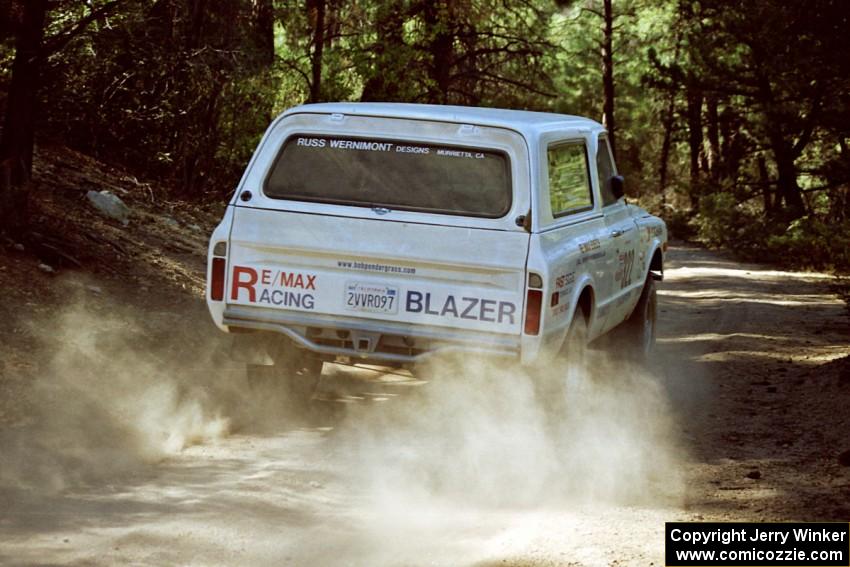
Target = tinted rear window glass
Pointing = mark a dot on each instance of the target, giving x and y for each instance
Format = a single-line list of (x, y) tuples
[(392, 174)]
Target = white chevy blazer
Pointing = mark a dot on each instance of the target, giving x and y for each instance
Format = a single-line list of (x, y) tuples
[(388, 233)]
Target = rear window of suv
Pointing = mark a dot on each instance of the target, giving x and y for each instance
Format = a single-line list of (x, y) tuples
[(393, 174)]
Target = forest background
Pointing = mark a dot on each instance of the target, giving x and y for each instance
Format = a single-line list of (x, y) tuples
[(730, 119)]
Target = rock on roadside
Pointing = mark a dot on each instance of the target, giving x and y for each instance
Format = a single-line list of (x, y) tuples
[(109, 205)]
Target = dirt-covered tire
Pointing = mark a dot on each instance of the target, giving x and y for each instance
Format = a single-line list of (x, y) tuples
[(553, 379), (639, 330), (574, 351), (293, 370)]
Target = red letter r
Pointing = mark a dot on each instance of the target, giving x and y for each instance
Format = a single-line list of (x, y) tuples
[(248, 284)]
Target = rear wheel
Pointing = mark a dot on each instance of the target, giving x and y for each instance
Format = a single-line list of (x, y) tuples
[(553, 381), (574, 350), (293, 369), (640, 328)]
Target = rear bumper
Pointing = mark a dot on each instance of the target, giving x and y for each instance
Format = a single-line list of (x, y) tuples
[(363, 339)]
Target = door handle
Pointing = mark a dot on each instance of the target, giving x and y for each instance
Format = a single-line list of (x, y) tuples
[(617, 232)]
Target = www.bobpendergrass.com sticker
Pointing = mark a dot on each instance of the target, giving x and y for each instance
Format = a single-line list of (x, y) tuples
[(744, 544)]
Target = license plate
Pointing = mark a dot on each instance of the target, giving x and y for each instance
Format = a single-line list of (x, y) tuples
[(371, 297)]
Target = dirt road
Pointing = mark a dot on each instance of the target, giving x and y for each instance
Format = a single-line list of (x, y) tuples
[(171, 460)]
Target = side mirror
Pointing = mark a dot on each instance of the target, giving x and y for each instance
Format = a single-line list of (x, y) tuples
[(618, 186)]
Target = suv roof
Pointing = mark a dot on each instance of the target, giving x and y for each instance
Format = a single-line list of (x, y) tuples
[(523, 121)]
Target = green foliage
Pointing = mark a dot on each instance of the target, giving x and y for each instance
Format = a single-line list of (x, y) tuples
[(814, 243), (181, 93), (474, 52), (732, 120), (722, 222), (807, 242), (178, 96)]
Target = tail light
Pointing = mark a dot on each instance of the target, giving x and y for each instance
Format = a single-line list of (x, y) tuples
[(533, 302), (219, 266), (217, 282)]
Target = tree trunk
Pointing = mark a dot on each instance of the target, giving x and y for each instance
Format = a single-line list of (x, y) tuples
[(263, 12), (438, 18), (694, 97), (713, 130), (7, 24), (318, 15), (787, 189), (197, 17), (667, 121), (733, 144), (18, 139), (764, 180), (608, 75), (840, 206), (388, 68)]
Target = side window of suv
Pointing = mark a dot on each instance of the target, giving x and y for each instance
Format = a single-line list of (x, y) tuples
[(605, 170), (569, 182)]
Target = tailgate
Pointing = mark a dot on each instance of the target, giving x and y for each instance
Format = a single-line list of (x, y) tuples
[(375, 269)]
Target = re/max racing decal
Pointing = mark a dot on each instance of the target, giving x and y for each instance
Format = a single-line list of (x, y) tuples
[(273, 287)]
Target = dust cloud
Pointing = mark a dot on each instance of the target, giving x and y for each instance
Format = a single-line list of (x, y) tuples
[(444, 467), (122, 389), (119, 389), (481, 433)]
